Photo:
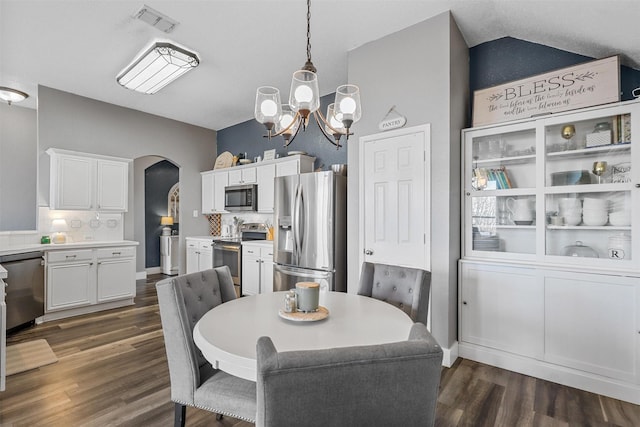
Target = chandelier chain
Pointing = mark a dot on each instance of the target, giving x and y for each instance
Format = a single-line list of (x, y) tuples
[(309, 30)]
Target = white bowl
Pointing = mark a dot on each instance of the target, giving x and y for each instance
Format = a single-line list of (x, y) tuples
[(594, 221), (594, 211), (620, 218), (591, 203), (572, 219)]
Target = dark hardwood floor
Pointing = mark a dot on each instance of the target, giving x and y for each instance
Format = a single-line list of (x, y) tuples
[(112, 371)]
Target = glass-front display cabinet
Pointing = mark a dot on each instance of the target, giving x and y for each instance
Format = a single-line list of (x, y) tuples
[(560, 189)]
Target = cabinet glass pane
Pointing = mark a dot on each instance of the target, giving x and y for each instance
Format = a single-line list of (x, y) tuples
[(589, 224), (503, 224), (504, 161), (595, 151)]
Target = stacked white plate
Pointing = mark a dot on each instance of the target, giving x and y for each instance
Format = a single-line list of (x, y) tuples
[(595, 211), (486, 243), (571, 210)]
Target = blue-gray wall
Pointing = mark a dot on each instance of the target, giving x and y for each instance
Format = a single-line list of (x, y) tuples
[(491, 63), (507, 59), (248, 137), (158, 180)]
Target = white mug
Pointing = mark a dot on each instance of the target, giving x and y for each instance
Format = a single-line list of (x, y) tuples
[(520, 209)]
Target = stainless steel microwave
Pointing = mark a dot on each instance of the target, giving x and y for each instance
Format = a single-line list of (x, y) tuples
[(241, 198)]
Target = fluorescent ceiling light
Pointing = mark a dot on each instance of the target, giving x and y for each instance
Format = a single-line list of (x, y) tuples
[(157, 67), (12, 95)]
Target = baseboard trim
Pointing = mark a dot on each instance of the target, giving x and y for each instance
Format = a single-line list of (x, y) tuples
[(154, 270), (616, 389), (62, 314), (450, 355), (141, 275)]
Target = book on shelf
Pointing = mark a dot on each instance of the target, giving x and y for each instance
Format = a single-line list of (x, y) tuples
[(492, 178), (621, 129)]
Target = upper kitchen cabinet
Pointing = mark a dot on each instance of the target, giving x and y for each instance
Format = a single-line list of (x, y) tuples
[(81, 181), (213, 185), (242, 176), (560, 189)]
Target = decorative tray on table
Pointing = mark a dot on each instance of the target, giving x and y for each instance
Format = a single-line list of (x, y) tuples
[(300, 316)]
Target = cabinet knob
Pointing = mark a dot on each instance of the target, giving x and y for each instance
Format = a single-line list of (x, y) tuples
[(464, 303), (368, 252), (468, 194), (257, 260)]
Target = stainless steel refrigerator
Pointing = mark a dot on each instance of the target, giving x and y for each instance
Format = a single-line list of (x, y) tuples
[(310, 242)]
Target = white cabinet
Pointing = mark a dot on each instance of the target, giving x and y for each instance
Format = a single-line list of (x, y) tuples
[(199, 254), (246, 175), (592, 323), (266, 174), (213, 185), (257, 268), (116, 267), (550, 270), (3, 335), (86, 280), (262, 174), (498, 304), (519, 176), (80, 181)]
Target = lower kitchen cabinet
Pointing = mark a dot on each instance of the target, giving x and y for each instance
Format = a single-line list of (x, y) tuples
[(257, 268), (87, 280), (576, 328), (199, 254)]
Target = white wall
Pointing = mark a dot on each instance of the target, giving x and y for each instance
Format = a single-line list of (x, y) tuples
[(81, 124), (423, 70)]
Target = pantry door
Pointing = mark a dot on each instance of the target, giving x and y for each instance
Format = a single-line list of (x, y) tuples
[(395, 197)]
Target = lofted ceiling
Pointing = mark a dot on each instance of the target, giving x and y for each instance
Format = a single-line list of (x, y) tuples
[(79, 46)]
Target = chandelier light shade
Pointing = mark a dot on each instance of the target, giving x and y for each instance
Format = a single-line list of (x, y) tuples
[(304, 100), (157, 67), (268, 108), (12, 95)]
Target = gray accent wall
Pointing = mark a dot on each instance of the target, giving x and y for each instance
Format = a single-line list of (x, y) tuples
[(18, 168), (424, 71), (77, 123)]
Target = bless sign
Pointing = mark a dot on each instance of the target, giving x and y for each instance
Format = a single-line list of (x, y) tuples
[(584, 85)]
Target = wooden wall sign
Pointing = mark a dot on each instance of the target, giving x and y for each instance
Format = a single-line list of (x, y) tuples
[(583, 85)]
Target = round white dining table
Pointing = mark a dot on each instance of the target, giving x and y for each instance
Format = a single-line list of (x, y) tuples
[(227, 334)]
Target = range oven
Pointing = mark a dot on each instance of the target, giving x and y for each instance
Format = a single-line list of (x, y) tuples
[(228, 250)]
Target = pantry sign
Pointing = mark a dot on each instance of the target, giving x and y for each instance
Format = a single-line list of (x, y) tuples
[(584, 85)]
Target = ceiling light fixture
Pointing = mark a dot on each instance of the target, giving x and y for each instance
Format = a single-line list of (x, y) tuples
[(304, 100), (157, 67), (12, 95), (156, 19)]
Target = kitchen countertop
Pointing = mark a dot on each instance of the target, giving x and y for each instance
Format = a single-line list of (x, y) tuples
[(61, 246), (3, 273)]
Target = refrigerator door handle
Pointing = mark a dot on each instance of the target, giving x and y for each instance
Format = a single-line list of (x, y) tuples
[(302, 272), (296, 224)]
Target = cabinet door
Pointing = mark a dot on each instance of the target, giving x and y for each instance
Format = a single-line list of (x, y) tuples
[(288, 167), (219, 184), (249, 176), (266, 174), (235, 177), (502, 307), (116, 279), (205, 259), (112, 182), (250, 275), (70, 285), (3, 338), (72, 182), (266, 270), (592, 323), (192, 257), (207, 192)]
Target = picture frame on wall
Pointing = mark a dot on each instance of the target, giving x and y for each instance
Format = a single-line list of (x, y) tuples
[(269, 154)]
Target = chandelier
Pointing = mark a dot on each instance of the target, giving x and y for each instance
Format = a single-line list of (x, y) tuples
[(304, 100)]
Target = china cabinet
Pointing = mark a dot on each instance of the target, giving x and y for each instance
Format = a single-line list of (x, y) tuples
[(550, 270)]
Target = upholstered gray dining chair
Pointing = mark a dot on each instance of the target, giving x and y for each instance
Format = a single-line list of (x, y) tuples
[(406, 288), (393, 384), (183, 300)]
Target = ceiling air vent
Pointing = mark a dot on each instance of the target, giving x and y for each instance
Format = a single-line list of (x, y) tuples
[(156, 19)]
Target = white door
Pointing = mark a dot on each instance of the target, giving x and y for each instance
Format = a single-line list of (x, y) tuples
[(395, 196)]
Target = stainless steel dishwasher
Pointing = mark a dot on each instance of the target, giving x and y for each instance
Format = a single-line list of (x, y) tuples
[(25, 288)]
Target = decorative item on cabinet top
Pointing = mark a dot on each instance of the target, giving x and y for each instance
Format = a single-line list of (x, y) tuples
[(224, 160)]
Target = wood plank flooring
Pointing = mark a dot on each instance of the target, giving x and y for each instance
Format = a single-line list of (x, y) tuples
[(112, 371)]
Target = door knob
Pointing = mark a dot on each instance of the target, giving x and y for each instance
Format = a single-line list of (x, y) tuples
[(368, 252)]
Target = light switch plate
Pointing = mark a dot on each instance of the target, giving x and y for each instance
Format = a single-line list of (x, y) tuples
[(195, 213)]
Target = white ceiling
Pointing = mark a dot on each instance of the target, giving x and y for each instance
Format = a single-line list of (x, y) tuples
[(79, 46)]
